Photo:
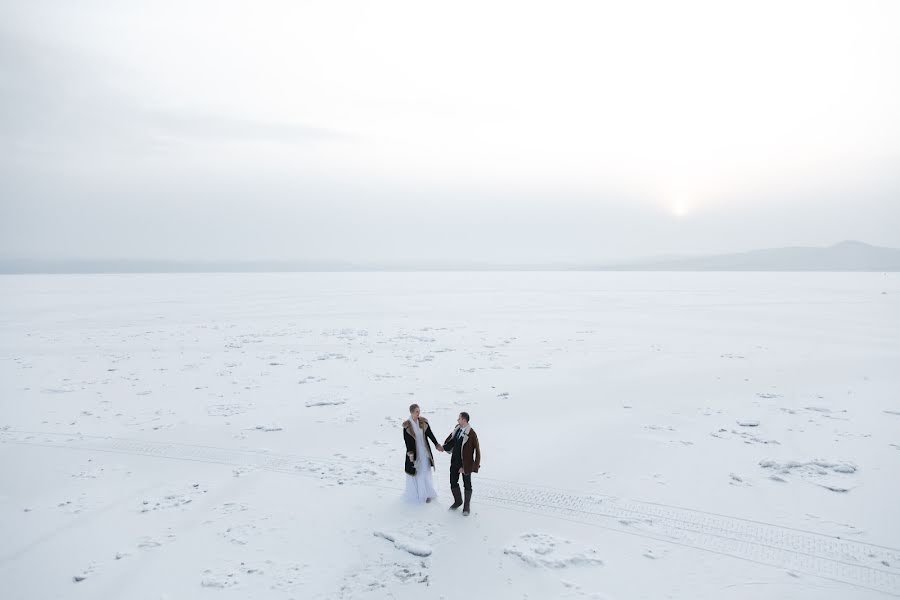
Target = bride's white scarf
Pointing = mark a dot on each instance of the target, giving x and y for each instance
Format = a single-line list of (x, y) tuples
[(416, 429)]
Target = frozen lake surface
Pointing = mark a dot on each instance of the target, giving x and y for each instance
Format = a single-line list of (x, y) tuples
[(645, 435)]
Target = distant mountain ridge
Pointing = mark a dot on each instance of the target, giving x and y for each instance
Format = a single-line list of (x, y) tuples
[(844, 256)]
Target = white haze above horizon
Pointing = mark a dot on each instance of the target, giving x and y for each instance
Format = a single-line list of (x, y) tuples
[(494, 131)]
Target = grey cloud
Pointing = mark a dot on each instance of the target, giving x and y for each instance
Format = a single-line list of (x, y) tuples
[(54, 100)]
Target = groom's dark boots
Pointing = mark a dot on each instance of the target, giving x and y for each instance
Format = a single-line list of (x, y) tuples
[(457, 498), (468, 499)]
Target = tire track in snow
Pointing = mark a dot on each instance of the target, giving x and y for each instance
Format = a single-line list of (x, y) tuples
[(847, 561)]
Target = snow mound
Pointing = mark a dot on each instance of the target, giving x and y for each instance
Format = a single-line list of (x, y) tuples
[(269, 427), (812, 467), (313, 403), (406, 544), (827, 474), (543, 550)]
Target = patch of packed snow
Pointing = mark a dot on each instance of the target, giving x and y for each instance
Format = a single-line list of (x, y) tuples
[(545, 550)]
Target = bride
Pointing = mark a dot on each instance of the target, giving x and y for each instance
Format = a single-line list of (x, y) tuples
[(419, 459)]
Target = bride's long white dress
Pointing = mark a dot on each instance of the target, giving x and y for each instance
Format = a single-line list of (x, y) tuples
[(420, 487)]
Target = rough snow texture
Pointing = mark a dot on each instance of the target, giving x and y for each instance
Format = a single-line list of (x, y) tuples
[(132, 466)]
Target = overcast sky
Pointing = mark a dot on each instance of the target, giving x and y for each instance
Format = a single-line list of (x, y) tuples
[(494, 131)]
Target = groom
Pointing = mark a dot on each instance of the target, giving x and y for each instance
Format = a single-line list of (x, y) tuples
[(465, 459)]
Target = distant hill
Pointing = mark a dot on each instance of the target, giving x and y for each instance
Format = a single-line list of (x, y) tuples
[(845, 256)]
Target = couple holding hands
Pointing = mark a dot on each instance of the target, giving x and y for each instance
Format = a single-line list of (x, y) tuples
[(465, 458)]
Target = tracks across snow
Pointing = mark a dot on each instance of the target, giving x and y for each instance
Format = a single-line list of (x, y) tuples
[(848, 561), (338, 471)]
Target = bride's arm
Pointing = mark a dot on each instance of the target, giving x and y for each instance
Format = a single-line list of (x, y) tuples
[(433, 439)]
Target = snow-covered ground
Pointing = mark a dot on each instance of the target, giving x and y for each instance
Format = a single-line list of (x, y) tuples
[(645, 435)]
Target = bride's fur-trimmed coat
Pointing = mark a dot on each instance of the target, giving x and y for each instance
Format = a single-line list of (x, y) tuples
[(409, 437)]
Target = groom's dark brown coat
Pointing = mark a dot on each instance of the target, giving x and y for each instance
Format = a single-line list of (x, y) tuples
[(471, 450)]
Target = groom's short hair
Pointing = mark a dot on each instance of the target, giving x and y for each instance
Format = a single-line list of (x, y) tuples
[(465, 416), (413, 407)]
